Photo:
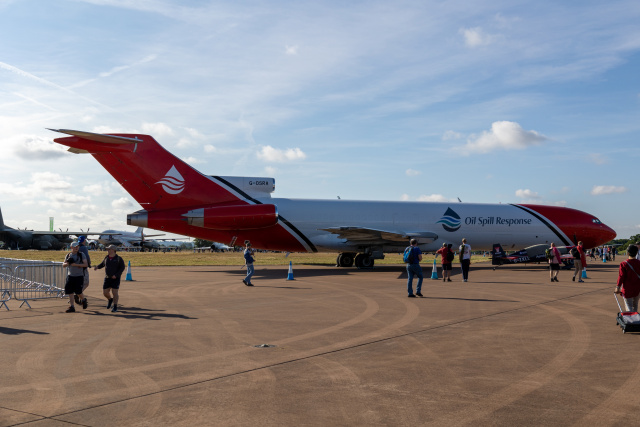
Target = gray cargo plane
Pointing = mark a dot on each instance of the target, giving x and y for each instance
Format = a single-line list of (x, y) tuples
[(30, 239)]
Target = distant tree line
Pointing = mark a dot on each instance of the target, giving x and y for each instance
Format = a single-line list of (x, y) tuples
[(201, 243), (624, 243)]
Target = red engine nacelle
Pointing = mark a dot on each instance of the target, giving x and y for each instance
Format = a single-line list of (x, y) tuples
[(241, 217)]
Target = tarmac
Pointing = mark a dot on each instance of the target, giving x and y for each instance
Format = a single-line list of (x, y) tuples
[(336, 346)]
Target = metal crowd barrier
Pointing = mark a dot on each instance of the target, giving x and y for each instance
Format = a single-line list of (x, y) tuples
[(27, 280)]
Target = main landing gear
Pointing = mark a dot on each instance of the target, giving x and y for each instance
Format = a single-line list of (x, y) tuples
[(362, 261)]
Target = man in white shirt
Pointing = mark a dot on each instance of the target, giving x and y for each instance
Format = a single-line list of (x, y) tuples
[(465, 259)]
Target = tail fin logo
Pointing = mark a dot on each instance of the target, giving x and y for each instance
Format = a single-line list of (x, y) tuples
[(173, 182), (450, 221)]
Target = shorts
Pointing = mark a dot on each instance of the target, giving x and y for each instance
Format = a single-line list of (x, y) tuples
[(73, 285), (553, 266), (447, 266), (110, 283)]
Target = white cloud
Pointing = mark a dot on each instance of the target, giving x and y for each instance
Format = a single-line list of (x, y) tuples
[(449, 135), (122, 203), (210, 148), (31, 147), (271, 154), (474, 37), (412, 172), (599, 190), (291, 50), (527, 194), (504, 135), (270, 171), (598, 158), (435, 198), (192, 160), (405, 198), (157, 130)]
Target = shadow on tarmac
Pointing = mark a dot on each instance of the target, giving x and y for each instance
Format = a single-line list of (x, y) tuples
[(139, 313), (12, 331)]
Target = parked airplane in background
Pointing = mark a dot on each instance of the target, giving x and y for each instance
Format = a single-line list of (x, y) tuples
[(29, 239), (130, 239), (220, 247), (534, 253), (177, 198)]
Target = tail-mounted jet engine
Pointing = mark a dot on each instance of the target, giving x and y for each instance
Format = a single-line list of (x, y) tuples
[(240, 217)]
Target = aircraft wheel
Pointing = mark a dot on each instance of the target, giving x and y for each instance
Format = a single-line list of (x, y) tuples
[(345, 260), (364, 261)]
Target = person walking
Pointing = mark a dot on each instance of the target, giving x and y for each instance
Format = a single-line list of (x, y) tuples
[(447, 257), (579, 262), (554, 262), (82, 241), (113, 265), (413, 259), (629, 279), (248, 260), (75, 264), (465, 259)]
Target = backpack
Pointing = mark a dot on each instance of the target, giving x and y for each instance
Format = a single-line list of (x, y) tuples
[(575, 253), (408, 255), (548, 253), (450, 255)]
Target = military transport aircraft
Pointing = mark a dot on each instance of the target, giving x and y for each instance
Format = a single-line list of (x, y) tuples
[(29, 239), (177, 198)]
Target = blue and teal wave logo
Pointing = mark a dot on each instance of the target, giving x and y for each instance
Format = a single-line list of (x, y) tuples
[(450, 221)]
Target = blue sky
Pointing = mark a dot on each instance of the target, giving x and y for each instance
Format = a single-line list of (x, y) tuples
[(488, 101)]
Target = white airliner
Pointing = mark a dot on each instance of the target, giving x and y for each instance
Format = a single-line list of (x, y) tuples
[(178, 199), (130, 239)]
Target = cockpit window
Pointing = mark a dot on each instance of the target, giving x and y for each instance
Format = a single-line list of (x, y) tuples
[(596, 221)]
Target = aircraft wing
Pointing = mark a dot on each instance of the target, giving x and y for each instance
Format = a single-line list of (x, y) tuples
[(62, 233), (371, 236)]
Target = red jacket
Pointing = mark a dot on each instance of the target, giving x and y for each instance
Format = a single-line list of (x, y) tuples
[(629, 281), (583, 258)]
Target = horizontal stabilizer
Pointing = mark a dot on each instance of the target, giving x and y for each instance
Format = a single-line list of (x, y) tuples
[(98, 137)]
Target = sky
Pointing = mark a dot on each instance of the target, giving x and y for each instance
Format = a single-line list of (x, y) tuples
[(486, 101)]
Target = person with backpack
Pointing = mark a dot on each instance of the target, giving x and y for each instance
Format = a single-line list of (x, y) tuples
[(113, 265), (554, 257), (447, 258), (465, 259), (629, 279), (579, 261), (75, 264), (412, 256)]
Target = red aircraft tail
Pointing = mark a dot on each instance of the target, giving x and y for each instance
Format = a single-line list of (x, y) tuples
[(154, 177)]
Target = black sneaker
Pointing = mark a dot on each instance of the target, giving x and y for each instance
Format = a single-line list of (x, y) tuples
[(84, 304), (448, 280), (573, 279), (249, 284), (245, 282), (412, 296), (419, 295), (71, 309), (115, 308), (109, 303), (76, 299)]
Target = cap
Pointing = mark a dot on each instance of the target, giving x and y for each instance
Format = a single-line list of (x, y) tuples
[(114, 247), (75, 244), (81, 239)]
